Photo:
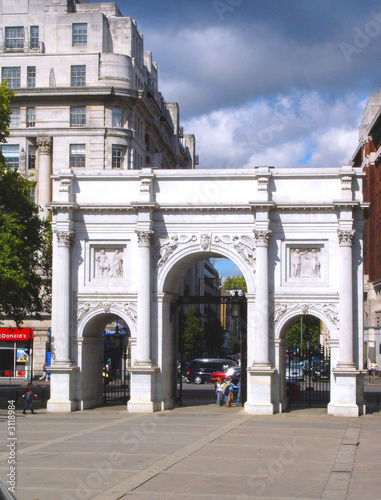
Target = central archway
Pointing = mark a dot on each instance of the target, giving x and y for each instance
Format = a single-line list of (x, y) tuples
[(169, 279)]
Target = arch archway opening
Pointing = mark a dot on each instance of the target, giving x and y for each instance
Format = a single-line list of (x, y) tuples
[(204, 324), (305, 370), (105, 356)]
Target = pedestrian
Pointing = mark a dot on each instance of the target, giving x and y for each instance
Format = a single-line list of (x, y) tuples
[(28, 394), (225, 390), (218, 389), (230, 388), (239, 392), (44, 372), (374, 368)]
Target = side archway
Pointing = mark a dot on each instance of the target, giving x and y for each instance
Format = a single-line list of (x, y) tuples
[(90, 353)]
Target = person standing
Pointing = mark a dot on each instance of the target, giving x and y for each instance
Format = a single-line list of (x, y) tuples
[(44, 372), (374, 368), (239, 392), (28, 393), (218, 388)]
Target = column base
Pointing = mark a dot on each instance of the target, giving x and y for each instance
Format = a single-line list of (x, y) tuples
[(259, 389), (62, 383), (259, 409), (344, 395), (142, 385)]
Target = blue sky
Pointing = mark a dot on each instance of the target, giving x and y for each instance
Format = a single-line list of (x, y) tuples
[(265, 83)]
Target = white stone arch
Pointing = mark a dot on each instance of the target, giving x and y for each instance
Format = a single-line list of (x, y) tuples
[(89, 387), (183, 258), (280, 329), (168, 280)]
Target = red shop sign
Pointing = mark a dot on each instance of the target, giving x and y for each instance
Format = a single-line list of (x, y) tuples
[(15, 334)]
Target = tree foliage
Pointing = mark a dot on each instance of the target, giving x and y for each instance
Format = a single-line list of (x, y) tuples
[(235, 283), (310, 323), (25, 239), (193, 333)]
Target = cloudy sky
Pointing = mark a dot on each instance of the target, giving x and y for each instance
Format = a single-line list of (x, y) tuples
[(280, 83)]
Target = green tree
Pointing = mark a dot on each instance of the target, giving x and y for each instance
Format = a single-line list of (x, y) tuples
[(25, 239), (310, 323), (235, 283), (193, 333)]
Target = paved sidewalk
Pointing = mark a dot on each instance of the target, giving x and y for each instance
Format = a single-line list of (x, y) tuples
[(195, 452)]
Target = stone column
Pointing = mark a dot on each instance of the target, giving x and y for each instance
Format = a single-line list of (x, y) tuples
[(259, 380), (343, 402), (261, 339), (62, 398), (346, 239), (65, 240), (145, 240), (44, 184)]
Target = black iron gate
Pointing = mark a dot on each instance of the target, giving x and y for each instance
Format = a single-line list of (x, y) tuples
[(116, 377), (308, 378)]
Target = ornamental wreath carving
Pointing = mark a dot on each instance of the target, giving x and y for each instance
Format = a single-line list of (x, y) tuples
[(330, 310), (168, 246), (244, 245), (105, 307)]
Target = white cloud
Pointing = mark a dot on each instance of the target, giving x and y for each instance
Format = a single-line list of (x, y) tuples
[(299, 129)]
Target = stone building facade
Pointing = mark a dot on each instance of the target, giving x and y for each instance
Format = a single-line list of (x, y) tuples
[(368, 157), (86, 97)]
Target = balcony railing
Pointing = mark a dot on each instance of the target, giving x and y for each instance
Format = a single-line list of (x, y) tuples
[(34, 48)]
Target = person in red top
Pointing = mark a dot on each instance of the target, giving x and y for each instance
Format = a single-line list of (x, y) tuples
[(28, 394)]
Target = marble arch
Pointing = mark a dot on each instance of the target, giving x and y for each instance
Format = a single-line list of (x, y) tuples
[(123, 239)]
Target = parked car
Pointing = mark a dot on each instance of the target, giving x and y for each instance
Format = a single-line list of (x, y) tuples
[(320, 370), (294, 371), (200, 370), (234, 373)]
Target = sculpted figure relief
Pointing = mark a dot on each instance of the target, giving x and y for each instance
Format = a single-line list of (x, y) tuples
[(305, 264), (103, 264), (167, 249), (117, 266)]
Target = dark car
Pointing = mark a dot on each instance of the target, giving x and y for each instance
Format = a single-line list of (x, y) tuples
[(320, 371), (200, 370), (234, 373)]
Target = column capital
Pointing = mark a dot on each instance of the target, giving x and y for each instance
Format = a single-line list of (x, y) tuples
[(145, 238), (44, 145), (346, 238), (65, 238), (262, 237)]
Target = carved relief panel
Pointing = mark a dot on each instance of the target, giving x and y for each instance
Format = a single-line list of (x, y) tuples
[(304, 263), (107, 263)]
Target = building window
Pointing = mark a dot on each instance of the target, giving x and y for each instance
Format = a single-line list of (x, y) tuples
[(77, 117), (78, 76), (31, 76), (79, 34), (32, 193), (117, 117), (30, 117), (77, 155), (15, 117), (32, 157), (34, 37), (13, 75), (11, 154), (117, 156), (14, 38)]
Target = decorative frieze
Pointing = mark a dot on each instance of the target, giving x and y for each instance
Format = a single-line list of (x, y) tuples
[(330, 310), (169, 244), (244, 245), (105, 308)]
